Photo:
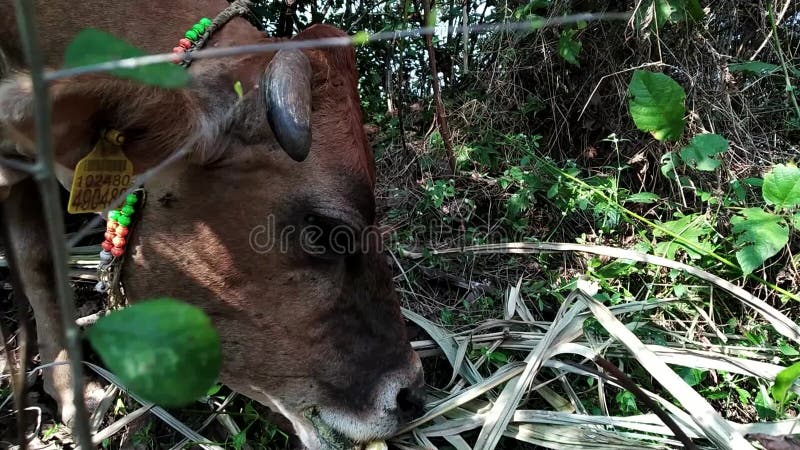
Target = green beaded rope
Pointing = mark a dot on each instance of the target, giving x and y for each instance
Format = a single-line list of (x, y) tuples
[(196, 31), (123, 215)]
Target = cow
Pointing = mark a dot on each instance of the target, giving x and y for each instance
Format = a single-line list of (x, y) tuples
[(316, 336)]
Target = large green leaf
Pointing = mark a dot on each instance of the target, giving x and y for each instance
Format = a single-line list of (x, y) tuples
[(701, 151), (92, 46), (759, 236), (693, 229), (657, 105), (782, 186), (783, 381), (754, 67), (164, 350)]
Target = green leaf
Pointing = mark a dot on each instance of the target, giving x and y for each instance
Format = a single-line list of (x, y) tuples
[(654, 14), (237, 87), (692, 228), (784, 381), (657, 105), (788, 350), (760, 235), (692, 376), (165, 350), (764, 405), (700, 152), (568, 47), (782, 186), (694, 10), (92, 46), (642, 197), (668, 165), (753, 67)]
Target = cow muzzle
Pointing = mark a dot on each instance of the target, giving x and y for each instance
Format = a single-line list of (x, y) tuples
[(399, 399)]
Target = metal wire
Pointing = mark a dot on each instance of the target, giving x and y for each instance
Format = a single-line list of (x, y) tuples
[(360, 38)]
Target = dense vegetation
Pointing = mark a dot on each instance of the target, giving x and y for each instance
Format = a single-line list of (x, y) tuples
[(673, 134)]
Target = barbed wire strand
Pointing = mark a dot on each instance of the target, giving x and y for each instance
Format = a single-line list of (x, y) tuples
[(357, 39)]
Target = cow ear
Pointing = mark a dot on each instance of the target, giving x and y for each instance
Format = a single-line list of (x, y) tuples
[(155, 121)]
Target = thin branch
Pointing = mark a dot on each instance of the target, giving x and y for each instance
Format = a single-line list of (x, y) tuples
[(627, 383), (779, 51), (441, 116), (772, 30), (48, 190), (20, 366)]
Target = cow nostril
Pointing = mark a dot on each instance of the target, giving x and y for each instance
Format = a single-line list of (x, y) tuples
[(410, 403)]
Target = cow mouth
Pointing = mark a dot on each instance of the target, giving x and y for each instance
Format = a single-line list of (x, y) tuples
[(333, 438)]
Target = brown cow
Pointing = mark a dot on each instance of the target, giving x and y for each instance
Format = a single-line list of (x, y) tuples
[(301, 331)]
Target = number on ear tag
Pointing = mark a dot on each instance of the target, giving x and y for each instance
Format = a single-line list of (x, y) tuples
[(101, 176)]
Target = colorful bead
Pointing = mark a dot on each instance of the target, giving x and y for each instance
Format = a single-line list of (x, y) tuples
[(107, 245), (124, 220), (185, 43), (178, 50), (109, 235), (191, 35), (199, 28), (127, 210), (105, 256), (206, 22), (119, 241), (131, 199), (122, 231), (111, 225), (101, 287), (112, 215), (117, 251)]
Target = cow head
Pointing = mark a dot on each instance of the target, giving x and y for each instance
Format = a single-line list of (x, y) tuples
[(267, 225)]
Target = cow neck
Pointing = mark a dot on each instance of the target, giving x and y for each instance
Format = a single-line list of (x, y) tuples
[(119, 225)]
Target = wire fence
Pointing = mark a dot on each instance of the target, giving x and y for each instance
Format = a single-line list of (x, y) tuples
[(43, 169)]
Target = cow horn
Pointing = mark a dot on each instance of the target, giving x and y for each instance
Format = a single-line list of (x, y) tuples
[(286, 85)]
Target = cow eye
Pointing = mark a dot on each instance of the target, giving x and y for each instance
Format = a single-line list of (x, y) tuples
[(327, 238)]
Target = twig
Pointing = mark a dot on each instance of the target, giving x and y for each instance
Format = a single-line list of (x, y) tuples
[(21, 303), (48, 190), (110, 430), (157, 411), (625, 381), (779, 51), (441, 116), (17, 386), (772, 30)]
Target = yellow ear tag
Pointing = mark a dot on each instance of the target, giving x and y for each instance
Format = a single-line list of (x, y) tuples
[(101, 176)]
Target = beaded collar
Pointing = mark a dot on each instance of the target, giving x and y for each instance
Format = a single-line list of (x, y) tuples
[(198, 35)]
